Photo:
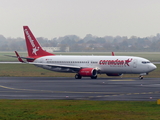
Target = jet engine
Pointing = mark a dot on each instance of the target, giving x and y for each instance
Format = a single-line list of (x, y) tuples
[(87, 72)]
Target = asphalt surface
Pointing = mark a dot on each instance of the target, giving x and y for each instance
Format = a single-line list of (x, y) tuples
[(126, 89)]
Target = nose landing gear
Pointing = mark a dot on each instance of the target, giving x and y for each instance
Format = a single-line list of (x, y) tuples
[(141, 77)]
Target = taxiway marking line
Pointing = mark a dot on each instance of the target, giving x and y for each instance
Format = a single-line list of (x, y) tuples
[(55, 91), (122, 80)]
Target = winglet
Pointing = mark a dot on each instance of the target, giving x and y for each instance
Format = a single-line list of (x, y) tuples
[(112, 53), (19, 58)]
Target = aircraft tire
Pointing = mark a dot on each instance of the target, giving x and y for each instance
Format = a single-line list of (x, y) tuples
[(140, 77), (77, 76), (94, 77)]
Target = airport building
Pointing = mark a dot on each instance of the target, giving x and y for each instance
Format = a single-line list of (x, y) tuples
[(55, 49)]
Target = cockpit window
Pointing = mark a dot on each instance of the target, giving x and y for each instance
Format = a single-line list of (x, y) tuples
[(145, 62)]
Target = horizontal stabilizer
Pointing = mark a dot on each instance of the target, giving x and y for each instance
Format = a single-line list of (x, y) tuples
[(20, 58)]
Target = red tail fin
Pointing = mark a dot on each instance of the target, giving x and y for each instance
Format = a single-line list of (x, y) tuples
[(34, 48)]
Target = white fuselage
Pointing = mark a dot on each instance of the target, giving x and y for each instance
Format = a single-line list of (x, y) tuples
[(104, 64)]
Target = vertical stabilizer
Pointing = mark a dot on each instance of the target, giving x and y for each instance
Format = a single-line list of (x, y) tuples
[(34, 48)]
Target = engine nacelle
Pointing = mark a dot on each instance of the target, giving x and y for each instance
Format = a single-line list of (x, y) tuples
[(88, 72), (114, 74)]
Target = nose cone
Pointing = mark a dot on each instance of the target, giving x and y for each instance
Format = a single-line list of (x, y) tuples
[(152, 67)]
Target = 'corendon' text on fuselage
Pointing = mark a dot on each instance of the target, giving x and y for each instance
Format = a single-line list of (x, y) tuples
[(115, 62)]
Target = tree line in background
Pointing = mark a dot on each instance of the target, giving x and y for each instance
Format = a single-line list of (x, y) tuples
[(89, 43)]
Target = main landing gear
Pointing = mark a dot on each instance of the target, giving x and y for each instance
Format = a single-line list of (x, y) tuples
[(78, 76), (94, 77)]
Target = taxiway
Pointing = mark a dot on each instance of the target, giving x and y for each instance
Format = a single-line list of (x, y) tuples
[(129, 89)]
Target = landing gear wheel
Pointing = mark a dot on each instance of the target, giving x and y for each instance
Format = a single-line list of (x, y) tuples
[(94, 77), (140, 77), (77, 76)]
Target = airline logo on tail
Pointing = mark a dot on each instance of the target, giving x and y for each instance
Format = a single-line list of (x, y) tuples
[(34, 49)]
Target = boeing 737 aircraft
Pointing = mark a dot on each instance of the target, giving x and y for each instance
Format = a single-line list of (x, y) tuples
[(83, 66)]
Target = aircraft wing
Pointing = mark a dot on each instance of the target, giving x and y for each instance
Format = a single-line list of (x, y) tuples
[(69, 67), (73, 68)]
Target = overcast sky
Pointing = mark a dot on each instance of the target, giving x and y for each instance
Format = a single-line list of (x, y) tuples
[(57, 18)]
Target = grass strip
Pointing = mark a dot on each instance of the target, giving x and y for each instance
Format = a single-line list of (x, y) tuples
[(78, 110)]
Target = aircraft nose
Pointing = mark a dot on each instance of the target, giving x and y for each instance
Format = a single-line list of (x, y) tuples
[(152, 67)]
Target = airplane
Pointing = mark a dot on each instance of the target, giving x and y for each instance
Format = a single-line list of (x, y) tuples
[(83, 66)]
